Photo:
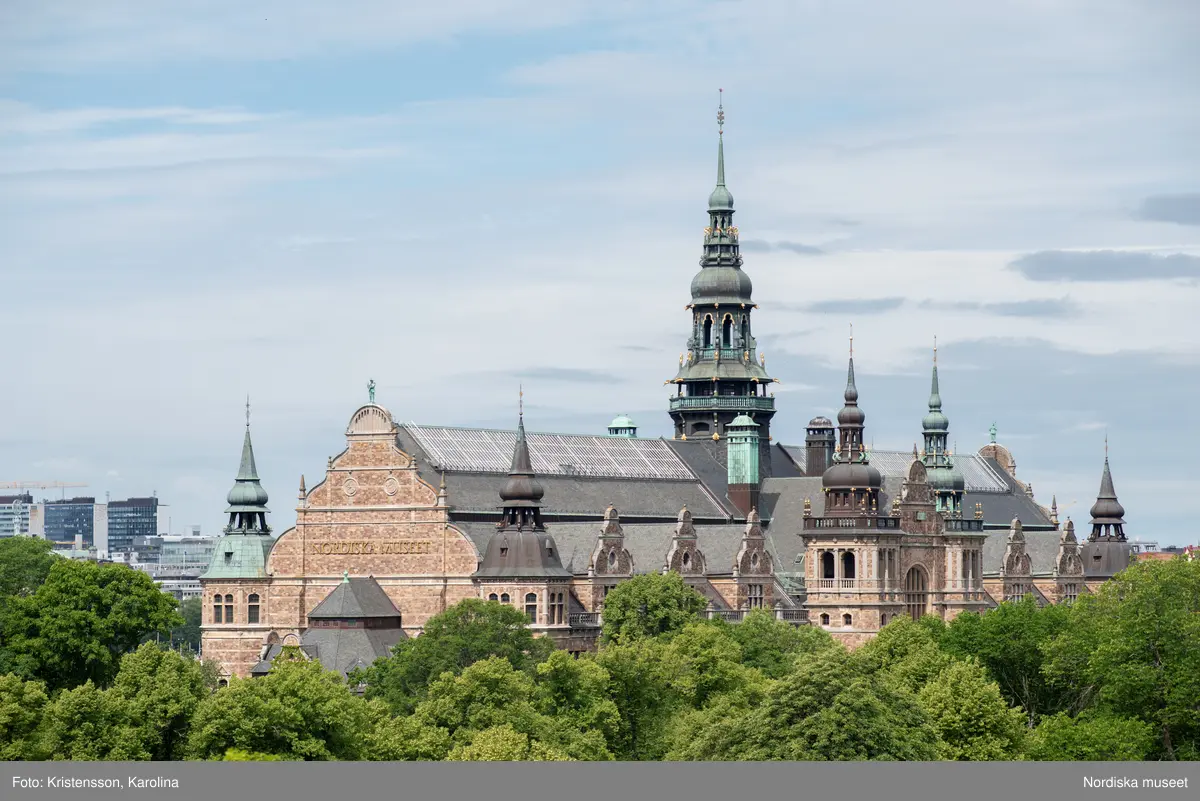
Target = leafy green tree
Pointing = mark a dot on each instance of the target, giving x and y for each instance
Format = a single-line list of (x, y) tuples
[(22, 706), (188, 634), (829, 708), (973, 721), (904, 654), (1090, 737), (574, 692), (86, 723), (76, 626), (489, 695), (1132, 650), (640, 686), (452, 641), (649, 606), (162, 690), (704, 660), (24, 564), (772, 645), (505, 744), (298, 711), (238, 755), (1008, 642)]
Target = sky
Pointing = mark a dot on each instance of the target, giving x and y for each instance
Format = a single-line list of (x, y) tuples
[(207, 199)]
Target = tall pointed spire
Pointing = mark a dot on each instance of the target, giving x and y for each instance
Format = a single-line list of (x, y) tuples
[(247, 499), (1108, 515), (521, 494), (947, 483)]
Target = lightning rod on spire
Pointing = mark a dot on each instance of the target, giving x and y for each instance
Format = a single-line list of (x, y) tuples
[(935, 348), (520, 400), (247, 411), (720, 112), (851, 340)]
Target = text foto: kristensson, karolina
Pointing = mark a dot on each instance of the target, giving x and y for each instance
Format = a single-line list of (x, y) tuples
[(1133, 782), (77, 783)]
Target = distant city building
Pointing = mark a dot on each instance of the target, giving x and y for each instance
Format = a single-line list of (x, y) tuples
[(128, 519), (72, 521), (14, 514)]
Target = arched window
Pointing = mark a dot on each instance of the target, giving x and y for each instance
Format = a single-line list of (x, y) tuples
[(252, 609), (493, 597), (687, 559), (847, 564), (222, 683), (217, 609), (531, 606), (754, 560), (708, 332), (727, 332), (228, 608), (847, 620), (883, 620), (827, 565), (745, 332), (612, 558), (504, 598), (824, 620), (916, 592)]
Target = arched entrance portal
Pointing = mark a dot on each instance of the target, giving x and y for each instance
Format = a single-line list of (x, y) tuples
[(916, 592)]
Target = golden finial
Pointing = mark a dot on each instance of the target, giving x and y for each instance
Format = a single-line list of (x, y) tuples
[(808, 507), (521, 400), (681, 360)]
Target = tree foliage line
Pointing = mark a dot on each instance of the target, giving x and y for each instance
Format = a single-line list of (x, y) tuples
[(1114, 676)]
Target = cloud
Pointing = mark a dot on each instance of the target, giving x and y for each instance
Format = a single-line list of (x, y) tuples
[(763, 246), (1105, 265), (568, 375), (1036, 307), (850, 306), (1182, 209)]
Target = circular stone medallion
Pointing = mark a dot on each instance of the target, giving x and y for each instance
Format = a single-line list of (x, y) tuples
[(391, 486), (350, 486)]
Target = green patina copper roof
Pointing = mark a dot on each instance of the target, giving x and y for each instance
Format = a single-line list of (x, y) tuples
[(743, 421), (622, 421), (247, 494), (737, 369), (240, 556)]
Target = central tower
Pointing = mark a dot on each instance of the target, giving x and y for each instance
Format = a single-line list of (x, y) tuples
[(722, 376)]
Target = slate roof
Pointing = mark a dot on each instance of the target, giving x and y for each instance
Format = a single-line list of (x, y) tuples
[(1042, 547), (355, 598), (341, 650)]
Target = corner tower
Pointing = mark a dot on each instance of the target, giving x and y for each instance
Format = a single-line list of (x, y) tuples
[(722, 376), (235, 585)]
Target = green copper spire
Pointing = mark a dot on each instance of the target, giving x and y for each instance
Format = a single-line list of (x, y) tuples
[(247, 500), (945, 479), (720, 199)]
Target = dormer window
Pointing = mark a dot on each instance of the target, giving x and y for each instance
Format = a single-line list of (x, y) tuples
[(503, 551), (228, 557)]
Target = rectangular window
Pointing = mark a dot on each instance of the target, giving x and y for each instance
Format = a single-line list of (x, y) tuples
[(754, 596), (531, 606)]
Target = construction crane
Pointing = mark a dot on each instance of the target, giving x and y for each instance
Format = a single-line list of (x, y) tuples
[(28, 485)]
